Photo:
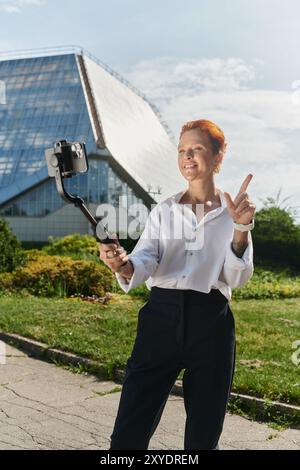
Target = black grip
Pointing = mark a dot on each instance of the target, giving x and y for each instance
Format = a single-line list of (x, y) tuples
[(106, 240)]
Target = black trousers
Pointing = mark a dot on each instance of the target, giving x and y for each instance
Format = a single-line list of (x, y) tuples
[(178, 329)]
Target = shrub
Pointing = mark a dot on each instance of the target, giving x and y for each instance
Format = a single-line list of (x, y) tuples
[(76, 246), (266, 284), (11, 253), (54, 275)]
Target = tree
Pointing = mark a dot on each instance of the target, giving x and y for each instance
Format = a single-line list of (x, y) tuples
[(276, 236), (11, 253), (270, 202)]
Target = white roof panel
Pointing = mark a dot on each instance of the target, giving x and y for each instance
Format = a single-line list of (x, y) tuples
[(133, 133)]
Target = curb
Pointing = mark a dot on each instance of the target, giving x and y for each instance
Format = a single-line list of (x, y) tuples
[(262, 408), (42, 351)]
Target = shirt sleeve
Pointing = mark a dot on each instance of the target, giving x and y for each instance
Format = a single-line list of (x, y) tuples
[(145, 255), (236, 271)]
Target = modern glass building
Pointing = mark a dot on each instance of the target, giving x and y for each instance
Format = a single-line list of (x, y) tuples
[(68, 94)]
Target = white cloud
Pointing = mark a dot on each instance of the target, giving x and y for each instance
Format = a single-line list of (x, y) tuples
[(15, 6), (30, 2), (9, 8), (262, 127), (189, 77)]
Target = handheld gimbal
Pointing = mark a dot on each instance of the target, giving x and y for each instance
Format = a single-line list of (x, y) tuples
[(65, 160)]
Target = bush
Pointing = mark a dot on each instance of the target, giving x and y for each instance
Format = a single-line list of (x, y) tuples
[(46, 275), (11, 253), (264, 284), (76, 246)]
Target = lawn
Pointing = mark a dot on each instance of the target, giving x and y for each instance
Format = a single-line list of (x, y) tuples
[(266, 330)]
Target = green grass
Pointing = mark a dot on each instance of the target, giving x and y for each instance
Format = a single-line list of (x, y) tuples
[(265, 331)]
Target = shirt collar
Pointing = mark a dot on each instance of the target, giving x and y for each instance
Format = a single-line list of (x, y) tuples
[(178, 195)]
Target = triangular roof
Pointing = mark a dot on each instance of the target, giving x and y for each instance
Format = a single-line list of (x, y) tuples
[(133, 134)]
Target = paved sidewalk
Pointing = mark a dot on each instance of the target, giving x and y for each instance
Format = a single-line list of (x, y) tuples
[(43, 406)]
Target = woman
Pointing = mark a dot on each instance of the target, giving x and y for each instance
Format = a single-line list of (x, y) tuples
[(187, 322)]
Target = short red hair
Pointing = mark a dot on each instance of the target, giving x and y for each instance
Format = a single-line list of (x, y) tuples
[(215, 134)]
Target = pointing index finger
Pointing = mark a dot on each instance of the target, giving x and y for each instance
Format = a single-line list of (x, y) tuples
[(245, 183)]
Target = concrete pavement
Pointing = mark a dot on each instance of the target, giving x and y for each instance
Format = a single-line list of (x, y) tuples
[(43, 406)]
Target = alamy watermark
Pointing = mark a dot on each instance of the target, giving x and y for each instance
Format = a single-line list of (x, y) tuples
[(2, 92), (179, 222), (2, 353), (295, 357), (296, 93)]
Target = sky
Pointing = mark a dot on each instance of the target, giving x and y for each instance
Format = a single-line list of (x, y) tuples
[(235, 62)]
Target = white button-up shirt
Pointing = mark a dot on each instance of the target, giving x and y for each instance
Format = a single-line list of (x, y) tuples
[(178, 250)]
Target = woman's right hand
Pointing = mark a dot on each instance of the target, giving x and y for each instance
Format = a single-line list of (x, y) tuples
[(115, 257)]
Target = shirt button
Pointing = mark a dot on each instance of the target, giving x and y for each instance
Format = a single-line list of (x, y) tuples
[(183, 276), (191, 254)]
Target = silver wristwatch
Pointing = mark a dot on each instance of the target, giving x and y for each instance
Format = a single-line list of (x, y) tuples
[(244, 227)]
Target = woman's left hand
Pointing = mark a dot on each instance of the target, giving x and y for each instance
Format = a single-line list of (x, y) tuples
[(242, 209)]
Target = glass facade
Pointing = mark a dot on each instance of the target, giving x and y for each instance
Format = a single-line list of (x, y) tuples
[(45, 102), (99, 185)]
